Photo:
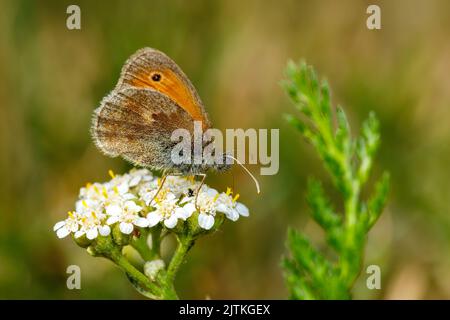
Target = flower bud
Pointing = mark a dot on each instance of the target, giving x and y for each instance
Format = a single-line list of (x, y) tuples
[(82, 241), (152, 268), (91, 251)]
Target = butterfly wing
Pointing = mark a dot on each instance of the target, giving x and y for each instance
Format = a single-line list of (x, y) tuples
[(137, 124), (145, 63)]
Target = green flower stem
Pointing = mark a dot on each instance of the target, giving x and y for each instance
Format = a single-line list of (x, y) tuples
[(185, 243), (137, 276), (165, 281), (166, 290), (105, 247), (351, 205), (163, 289), (169, 293), (141, 246), (156, 242)]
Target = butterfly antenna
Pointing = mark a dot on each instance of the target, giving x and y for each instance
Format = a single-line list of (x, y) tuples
[(246, 170)]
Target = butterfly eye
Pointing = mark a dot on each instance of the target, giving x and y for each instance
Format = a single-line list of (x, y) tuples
[(156, 77)]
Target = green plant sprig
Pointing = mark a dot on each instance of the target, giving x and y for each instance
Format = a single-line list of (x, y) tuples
[(309, 273)]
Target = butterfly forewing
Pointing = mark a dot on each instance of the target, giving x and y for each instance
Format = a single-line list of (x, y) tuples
[(139, 70)]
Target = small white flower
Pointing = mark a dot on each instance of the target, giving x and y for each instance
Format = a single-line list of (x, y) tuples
[(97, 196), (114, 202), (230, 207), (127, 215), (131, 179), (174, 184), (67, 226), (85, 207), (91, 226), (148, 191), (93, 192), (181, 185), (206, 205), (168, 211)]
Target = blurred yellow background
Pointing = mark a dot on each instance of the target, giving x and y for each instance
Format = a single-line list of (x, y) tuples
[(234, 51)]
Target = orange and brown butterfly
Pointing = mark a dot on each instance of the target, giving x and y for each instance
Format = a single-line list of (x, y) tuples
[(152, 98)]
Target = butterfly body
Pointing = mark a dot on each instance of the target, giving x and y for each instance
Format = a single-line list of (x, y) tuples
[(152, 99)]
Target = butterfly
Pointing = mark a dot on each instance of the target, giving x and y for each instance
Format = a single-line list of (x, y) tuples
[(152, 98)]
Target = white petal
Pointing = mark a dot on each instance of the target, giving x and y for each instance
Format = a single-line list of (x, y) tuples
[(62, 232), (104, 230), (170, 196), (141, 222), (90, 204), (132, 206), (186, 200), (147, 198), (79, 233), (123, 188), (211, 192), (153, 219), (128, 196), (223, 208), (91, 234), (112, 220), (190, 208), (58, 225), (113, 210), (79, 206), (126, 228), (182, 213), (134, 181), (233, 215), (73, 227), (205, 221), (242, 209), (147, 176), (171, 222)]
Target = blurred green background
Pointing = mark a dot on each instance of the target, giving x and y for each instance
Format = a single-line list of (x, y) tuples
[(234, 51)]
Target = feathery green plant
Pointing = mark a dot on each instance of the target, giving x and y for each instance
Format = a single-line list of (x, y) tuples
[(309, 273)]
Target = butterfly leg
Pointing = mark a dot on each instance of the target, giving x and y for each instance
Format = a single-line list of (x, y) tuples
[(163, 179), (203, 175)]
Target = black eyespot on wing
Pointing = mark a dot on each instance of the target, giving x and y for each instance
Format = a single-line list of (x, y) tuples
[(156, 77)]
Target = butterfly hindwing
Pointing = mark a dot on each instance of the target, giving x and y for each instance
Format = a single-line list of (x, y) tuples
[(137, 124)]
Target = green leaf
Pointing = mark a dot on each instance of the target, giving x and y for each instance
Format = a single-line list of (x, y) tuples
[(378, 200), (306, 256), (322, 211), (302, 127), (299, 286), (367, 146), (325, 100), (343, 132)]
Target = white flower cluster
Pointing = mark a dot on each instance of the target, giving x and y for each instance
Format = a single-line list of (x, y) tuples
[(129, 201)]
